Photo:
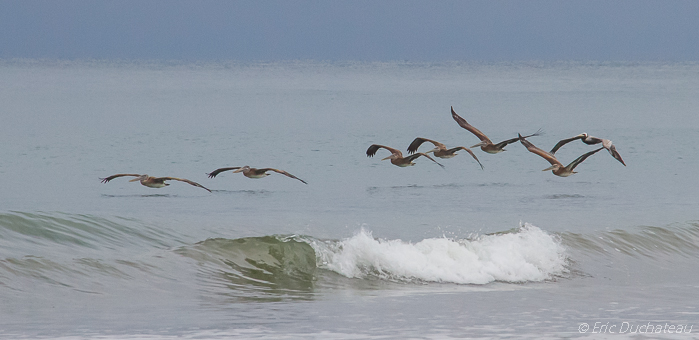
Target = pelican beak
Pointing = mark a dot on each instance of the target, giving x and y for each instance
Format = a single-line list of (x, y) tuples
[(479, 144), (237, 170), (549, 168), (389, 157), (135, 179), (433, 150)]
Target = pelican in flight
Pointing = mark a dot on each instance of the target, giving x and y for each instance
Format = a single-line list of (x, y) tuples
[(396, 156), (556, 167), (589, 140), (440, 150), (153, 182), (486, 144), (252, 172)]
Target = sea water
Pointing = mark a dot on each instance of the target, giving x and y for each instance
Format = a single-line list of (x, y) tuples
[(366, 249)]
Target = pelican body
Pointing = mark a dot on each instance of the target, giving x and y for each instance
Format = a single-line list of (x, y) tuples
[(590, 140), (556, 166), (440, 150), (396, 156), (253, 172), (153, 182), (486, 144)]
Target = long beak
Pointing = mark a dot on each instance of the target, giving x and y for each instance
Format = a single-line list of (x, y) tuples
[(135, 179), (549, 168), (237, 171), (389, 157), (433, 150), (479, 144)]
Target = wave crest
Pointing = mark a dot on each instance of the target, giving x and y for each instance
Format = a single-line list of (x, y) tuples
[(528, 254)]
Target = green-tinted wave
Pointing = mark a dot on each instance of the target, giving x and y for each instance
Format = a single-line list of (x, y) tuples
[(260, 268)]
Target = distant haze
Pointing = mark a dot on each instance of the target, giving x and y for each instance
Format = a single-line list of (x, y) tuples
[(351, 30)]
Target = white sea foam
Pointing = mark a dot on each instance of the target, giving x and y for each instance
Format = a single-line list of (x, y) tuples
[(529, 254)]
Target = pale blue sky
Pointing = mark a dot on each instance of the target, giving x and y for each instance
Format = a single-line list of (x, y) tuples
[(351, 30)]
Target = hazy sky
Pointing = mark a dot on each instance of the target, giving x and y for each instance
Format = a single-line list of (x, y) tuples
[(371, 30)]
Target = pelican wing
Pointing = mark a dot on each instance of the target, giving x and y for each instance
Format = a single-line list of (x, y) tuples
[(462, 122), (107, 179), (181, 180), (418, 141), (533, 149), (284, 173), (512, 140), (220, 170), (580, 159), (469, 151), (564, 142), (417, 155), (371, 151), (615, 154)]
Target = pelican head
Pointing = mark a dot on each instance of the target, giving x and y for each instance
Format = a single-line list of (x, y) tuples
[(482, 143), (139, 178), (245, 168), (392, 156), (554, 167)]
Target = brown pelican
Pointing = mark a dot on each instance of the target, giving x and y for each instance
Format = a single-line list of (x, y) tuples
[(556, 167), (252, 172), (440, 150), (589, 140), (153, 182), (396, 156), (485, 144)]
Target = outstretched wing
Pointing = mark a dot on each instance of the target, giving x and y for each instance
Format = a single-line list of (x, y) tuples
[(183, 180), (533, 149), (220, 170), (469, 151), (462, 122), (107, 179), (415, 156), (615, 154), (580, 159), (564, 142), (283, 173), (371, 151), (512, 140), (418, 141)]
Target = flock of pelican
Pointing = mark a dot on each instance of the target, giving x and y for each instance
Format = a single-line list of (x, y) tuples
[(159, 182), (439, 150), (488, 146)]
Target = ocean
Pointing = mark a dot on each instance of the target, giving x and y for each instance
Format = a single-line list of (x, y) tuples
[(365, 250)]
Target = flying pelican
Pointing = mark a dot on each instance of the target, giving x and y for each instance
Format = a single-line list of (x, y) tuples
[(153, 182), (556, 167), (252, 172), (440, 150), (396, 156), (589, 140), (485, 144)]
